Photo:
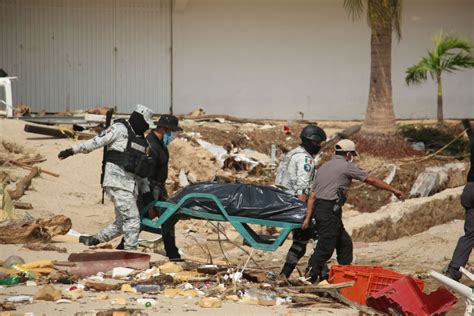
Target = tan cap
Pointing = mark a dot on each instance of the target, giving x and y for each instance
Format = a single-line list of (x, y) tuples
[(346, 145), (147, 114)]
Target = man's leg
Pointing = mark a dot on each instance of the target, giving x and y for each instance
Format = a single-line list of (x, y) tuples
[(465, 243), (296, 251), (111, 231), (329, 227), (344, 248), (128, 219)]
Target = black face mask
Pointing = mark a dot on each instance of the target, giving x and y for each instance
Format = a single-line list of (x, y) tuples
[(310, 147), (138, 123)]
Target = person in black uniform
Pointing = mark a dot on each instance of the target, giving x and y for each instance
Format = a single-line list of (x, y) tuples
[(325, 202), (465, 243), (159, 139)]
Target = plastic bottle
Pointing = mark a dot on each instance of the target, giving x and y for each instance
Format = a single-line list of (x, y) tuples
[(11, 280), (147, 288), (147, 302)]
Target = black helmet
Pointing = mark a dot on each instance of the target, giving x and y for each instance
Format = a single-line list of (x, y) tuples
[(313, 132)]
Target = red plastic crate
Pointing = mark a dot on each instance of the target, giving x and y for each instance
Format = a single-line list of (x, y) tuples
[(405, 297), (368, 280)]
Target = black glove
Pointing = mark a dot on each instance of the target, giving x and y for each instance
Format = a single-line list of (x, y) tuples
[(65, 153)]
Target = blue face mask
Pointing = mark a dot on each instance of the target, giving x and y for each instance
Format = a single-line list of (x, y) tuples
[(168, 137)]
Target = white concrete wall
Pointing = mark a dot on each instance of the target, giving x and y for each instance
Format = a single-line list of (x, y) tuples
[(274, 58), (77, 54)]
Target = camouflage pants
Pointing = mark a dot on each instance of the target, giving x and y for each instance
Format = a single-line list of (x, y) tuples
[(127, 219)]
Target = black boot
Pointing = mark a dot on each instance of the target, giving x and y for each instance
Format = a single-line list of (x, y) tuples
[(89, 240)]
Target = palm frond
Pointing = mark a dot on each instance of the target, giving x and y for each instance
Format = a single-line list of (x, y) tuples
[(396, 6), (355, 8), (418, 73), (444, 42), (457, 62)]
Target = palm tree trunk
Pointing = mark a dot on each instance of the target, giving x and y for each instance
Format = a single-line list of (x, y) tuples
[(379, 118), (440, 100)]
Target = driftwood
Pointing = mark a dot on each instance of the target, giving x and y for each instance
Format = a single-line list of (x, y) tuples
[(38, 230), (57, 132), (23, 184), (44, 247), (28, 167), (23, 205)]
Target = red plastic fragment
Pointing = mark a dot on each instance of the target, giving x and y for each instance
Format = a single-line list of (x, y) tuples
[(368, 280), (404, 296)]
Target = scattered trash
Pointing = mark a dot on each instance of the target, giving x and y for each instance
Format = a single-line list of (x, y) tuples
[(170, 267), (127, 288), (255, 296), (102, 287), (120, 272), (147, 288), (10, 280), (404, 296), (20, 299), (31, 283), (210, 302), (92, 263), (48, 293), (218, 151), (12, 260), (73, 293), (147, 302), (368, 280), (63, 301)]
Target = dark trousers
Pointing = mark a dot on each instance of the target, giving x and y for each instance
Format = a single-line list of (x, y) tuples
[(465, 243), (332, 236), (297, 249)]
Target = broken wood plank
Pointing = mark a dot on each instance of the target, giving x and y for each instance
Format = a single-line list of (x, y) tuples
[(23, 205), (56, 132), (28, 167), (23, 184)]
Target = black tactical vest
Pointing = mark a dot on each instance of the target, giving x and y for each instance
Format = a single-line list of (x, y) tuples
[(135, 158)]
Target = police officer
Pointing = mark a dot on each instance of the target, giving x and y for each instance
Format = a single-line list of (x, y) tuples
[(126, 169), (328, 194), (159, 139), (295, 175), (465, 243)]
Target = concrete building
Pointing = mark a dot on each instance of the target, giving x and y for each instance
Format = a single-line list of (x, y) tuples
[(252, 58)]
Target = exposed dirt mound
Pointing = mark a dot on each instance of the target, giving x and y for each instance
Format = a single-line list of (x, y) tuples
[(390, 147), (421, 217)]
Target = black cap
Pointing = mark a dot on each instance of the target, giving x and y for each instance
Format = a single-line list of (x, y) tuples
[(168, 121)]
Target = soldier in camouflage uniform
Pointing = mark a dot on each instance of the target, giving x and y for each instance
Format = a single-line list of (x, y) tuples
[(295, 175), (121, 185)]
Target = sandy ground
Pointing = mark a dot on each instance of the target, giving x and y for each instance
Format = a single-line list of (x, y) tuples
[(76, 194)]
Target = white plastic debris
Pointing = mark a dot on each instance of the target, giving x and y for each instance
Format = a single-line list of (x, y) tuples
[(31, 283), (218, 151), (188, 286), (63, 301), (20, 299), (121, 272)]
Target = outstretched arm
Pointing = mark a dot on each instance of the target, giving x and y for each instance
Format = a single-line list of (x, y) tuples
[(376, 182)]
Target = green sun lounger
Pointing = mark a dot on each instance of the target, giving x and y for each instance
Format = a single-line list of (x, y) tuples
[(241, 224)]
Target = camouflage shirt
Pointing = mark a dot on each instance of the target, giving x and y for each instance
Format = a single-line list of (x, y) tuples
[(115, 138), (296, 172)]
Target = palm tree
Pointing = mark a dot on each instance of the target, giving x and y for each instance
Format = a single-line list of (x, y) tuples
[(450, 53), (382, 16)]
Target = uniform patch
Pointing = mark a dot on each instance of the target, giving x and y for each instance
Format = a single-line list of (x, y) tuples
[(307, 167)]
